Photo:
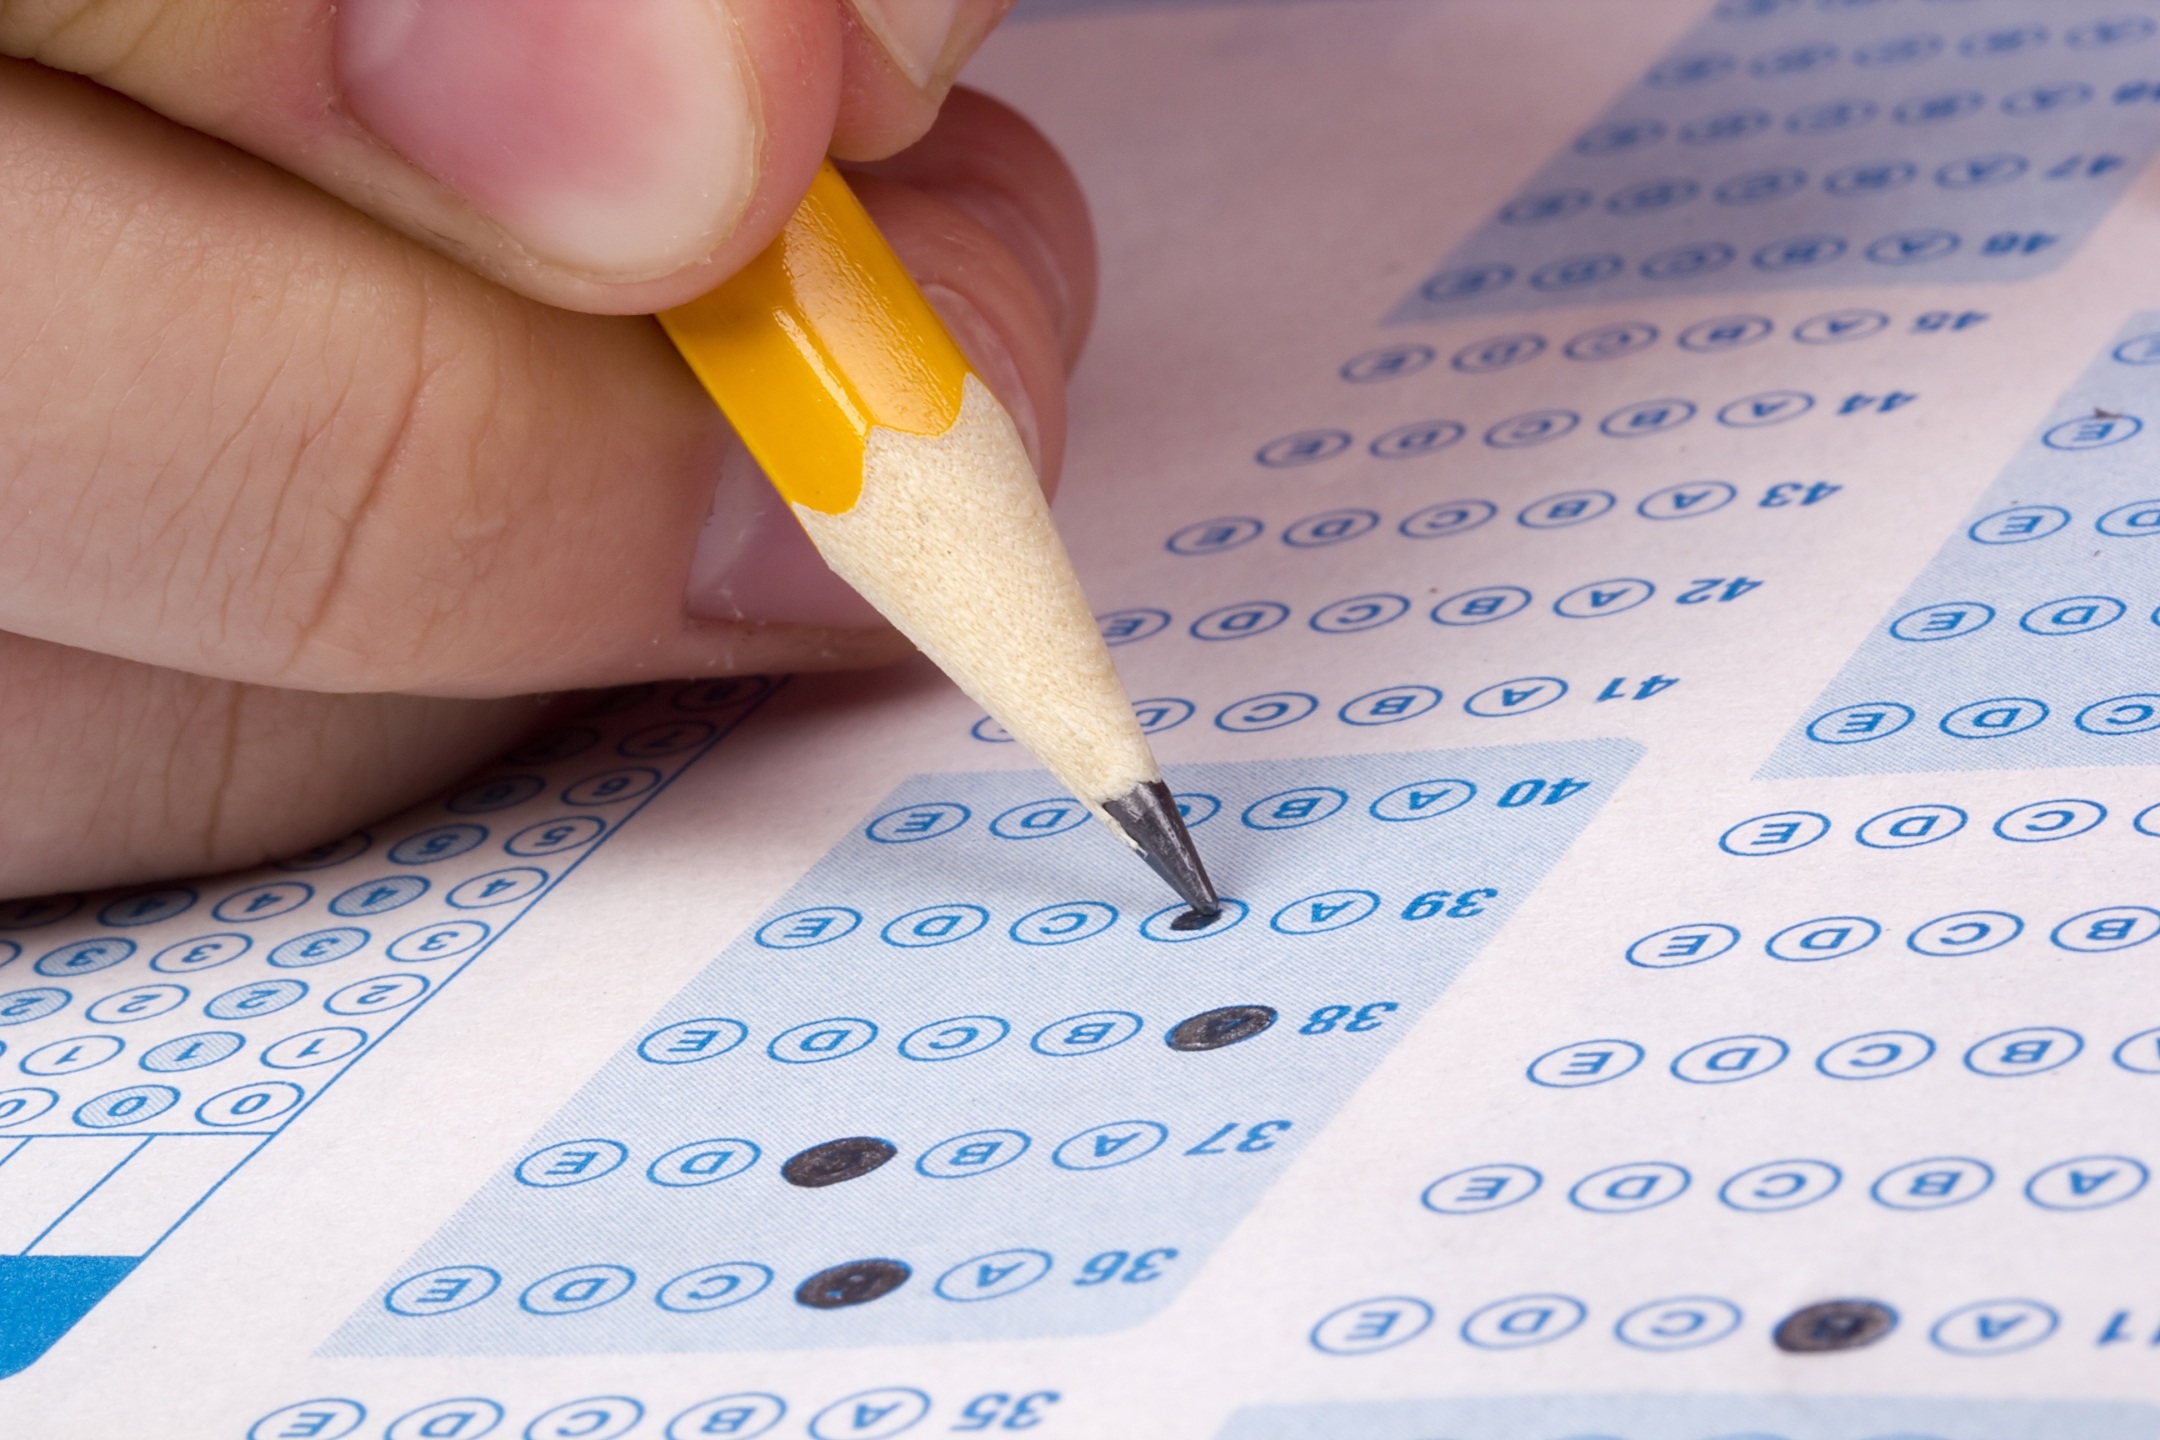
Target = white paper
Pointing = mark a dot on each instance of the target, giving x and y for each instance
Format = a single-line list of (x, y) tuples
[(1677, 731)]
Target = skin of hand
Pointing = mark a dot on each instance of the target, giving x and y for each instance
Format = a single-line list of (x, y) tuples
[(336, 440)]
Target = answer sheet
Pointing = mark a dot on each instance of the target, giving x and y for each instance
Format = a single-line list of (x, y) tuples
[(1624, 520)]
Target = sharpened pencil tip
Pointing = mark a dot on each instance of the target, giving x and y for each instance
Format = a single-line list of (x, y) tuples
[(1148, 814)]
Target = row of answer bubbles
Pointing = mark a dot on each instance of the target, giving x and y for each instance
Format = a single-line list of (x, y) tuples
[(722, 1285), (1963, 932), (197, 953), (967, 1156), (1681, 1322), (252, 904), (1896, 250), (273, 900), (2024, 523), (1291, 809), (1721, 128), (1908, 827), (131, 1105), (1929, 110), (956, 1037), (379, 994), (430, 844), (304, 1050), (2090, 34), (2051, 619), (1877, 1054), (1275, 709), (1938, 1182), (1613, 341), (1863, 178), (1993, 717), (1632, 421), (250, 1001), (1704, 67), (1356, 614), (1438, 521), (445, 842), (739, 1415)]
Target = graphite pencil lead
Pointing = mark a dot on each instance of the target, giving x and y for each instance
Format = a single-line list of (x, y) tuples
[(1148, 815)]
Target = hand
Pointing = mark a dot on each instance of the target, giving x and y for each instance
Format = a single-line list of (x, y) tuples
[(314, 482)]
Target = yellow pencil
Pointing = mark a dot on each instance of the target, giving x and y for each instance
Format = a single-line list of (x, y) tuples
[(914, 486)]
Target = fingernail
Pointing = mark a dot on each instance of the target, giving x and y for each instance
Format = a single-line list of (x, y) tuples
[(753, 562), (985, 349), (916, 33), (1018, 231), (618, 139)]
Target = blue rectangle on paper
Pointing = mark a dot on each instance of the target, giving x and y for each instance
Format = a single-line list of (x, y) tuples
[(1078, 1103), (42, 1296), (1700, 1417), (2029, 639), (1783, 145)]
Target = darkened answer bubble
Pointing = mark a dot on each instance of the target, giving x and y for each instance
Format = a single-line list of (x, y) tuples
[(1834, 1325), (1195, 920), (837, 1160), (858, 1282), (1213, 1029)]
